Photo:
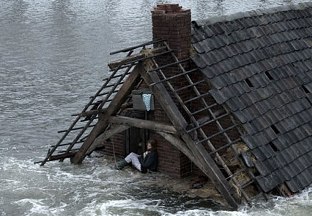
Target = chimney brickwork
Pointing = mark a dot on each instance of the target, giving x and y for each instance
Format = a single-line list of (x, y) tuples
[(173, 24)]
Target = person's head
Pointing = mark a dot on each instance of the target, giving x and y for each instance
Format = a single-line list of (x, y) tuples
[(151, 144)]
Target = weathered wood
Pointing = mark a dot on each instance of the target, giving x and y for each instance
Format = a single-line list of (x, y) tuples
[(112, 109), (210, 168), (91, 112), (136, 57), (145, 124), (129, 59), (98, 142), (61, 156)]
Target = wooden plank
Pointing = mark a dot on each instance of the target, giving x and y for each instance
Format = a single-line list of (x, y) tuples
[(112, 109), (141, 123), (209, 167), (106, 135), (61, 156)]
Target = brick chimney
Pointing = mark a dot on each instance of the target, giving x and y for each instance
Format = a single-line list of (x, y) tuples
[(173, 24)]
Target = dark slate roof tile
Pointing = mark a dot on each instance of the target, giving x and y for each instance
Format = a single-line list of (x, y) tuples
[(305, 145), (309, 97), (308, 86), (218, 96), (249, 128), (264, 169), (258, 154), (299, 133), (246, 100), (199, 61), (304, 162), (220, 81), (217, 29), (289, 138), (293, 186), (269, 182), (221, 55), (233, 105), (215, 70), (305, 178), (285, 175), (281, 160), (247, 114), (207, 71), (271, 116), (307, 129), (250, 141), (241, 116), (199, 48), (208, 31), (298, 92)]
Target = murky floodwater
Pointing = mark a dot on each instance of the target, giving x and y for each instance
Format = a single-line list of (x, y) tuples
[(53, 55)]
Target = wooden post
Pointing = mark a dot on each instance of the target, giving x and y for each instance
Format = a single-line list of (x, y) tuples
[(112, 109)]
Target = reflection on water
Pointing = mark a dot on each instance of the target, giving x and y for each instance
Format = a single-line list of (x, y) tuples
[(53, 55)]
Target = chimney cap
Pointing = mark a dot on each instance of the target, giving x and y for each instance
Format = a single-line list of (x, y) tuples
[(169, 9)]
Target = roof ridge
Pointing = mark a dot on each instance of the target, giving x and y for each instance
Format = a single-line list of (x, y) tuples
[(252, 13)]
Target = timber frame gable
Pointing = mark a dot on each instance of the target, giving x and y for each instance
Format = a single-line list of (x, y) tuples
[(190, 114)]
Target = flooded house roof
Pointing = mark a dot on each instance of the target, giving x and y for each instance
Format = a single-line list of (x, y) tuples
[(259, 65), (239, 107)]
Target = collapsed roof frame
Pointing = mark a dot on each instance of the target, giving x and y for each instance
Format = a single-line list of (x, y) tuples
[(186, 134)]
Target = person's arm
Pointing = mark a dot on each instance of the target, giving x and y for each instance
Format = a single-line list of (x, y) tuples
[(149, 160)]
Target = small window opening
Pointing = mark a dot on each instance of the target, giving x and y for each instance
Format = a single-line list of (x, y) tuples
[(273, 147), (305, 89), (274, 128), (249, 83), (269, 75)]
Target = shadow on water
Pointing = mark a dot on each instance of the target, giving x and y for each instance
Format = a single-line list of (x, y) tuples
[(172, 201)]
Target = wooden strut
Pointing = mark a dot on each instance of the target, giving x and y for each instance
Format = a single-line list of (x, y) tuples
[(98, 142), (112, 109)]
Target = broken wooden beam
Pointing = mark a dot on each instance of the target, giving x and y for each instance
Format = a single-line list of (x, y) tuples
[(114, 65), (144, 54), (141, 123), (61, 156), (98, 142), (132, 80)]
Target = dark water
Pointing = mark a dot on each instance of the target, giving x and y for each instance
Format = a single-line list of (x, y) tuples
[(53, 55)]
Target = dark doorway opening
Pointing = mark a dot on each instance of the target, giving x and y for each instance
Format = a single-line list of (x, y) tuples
[(136, 137)]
